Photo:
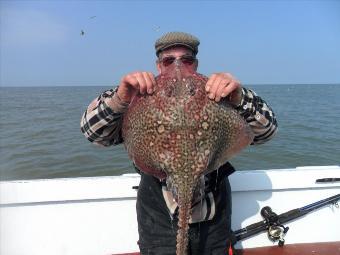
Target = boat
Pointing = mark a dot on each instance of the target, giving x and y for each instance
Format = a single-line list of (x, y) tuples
[(96, 215)]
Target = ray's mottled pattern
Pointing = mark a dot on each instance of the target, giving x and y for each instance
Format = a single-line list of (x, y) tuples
[(178, 133)]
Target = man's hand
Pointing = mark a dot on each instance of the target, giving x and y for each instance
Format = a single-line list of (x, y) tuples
[(221, 85), (134, 83)]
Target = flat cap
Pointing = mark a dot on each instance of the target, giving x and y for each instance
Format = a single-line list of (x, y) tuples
[(177, 38)]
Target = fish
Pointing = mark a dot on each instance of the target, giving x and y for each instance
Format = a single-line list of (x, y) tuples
[(178, 134)]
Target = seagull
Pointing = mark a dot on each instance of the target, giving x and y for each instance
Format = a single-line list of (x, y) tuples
[(82, 32), (157, 28)]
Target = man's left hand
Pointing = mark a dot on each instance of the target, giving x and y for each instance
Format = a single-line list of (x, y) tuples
[(221, 85)]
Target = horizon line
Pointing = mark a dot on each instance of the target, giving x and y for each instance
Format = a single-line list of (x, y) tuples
[(245, 84)]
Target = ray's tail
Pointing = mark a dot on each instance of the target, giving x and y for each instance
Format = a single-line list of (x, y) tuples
[(184, 202)]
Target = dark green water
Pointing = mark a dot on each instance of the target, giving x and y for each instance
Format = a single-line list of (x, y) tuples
[(40, 135)]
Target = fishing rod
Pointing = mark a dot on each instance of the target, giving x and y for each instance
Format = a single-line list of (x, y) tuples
[(273, 223)]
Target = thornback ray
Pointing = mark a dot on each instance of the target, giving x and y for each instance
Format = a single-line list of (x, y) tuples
[(179, 134)]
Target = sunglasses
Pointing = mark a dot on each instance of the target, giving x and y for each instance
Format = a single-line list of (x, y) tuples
[(186, 60)]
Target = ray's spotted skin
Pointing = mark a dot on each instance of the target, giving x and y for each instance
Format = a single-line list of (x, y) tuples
[(179, 134)]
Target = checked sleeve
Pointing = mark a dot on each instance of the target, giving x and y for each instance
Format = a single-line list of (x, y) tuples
[(100, 123), (258, 115)]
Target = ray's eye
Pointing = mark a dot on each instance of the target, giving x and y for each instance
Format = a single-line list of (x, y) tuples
[(169, 91), (191, 89)]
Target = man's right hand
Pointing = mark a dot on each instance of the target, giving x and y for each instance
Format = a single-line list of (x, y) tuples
[(134, 83)]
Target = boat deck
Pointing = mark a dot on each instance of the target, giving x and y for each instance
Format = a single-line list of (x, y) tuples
[(327, 248)]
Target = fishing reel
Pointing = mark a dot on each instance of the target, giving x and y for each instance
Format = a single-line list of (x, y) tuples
[(275, 230)]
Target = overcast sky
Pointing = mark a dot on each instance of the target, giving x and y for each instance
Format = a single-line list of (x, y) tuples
[(260, 42)]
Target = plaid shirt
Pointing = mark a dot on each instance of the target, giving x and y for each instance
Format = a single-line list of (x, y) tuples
[(102, 125)]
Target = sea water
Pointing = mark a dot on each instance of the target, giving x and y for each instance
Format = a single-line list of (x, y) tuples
[(40, 133)]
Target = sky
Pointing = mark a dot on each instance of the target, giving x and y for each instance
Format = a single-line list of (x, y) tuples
[(259, 42)]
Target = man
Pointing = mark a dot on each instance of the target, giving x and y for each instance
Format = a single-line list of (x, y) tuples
[(210, 228)]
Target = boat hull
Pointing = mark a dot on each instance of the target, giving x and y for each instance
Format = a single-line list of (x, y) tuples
[(96, 215)]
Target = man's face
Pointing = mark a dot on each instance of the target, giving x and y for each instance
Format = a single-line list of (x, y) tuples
[(168, 57)]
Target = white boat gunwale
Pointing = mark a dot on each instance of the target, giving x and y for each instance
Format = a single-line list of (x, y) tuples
[(102, 209)]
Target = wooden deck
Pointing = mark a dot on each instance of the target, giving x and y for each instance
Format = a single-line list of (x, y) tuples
[(329, 248)]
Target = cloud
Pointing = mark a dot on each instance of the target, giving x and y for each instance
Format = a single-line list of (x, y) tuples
[(26, 26)]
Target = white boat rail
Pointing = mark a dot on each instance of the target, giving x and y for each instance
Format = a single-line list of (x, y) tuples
[(96, 215)]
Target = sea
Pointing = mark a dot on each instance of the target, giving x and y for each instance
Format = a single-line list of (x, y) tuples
[(40, 133)]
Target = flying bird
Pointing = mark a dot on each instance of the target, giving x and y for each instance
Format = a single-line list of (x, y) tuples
[(82, 32), (157, 28)]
